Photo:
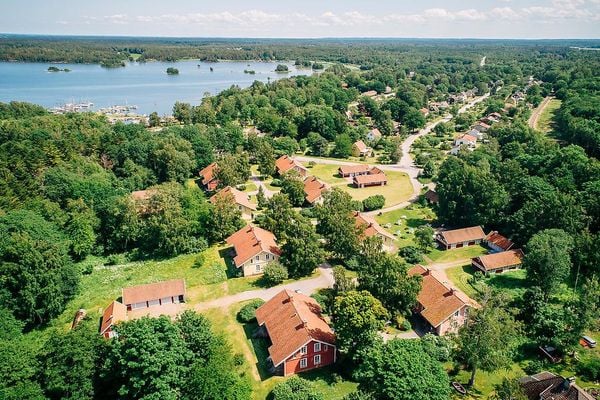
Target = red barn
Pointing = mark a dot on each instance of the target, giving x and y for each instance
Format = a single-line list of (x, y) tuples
[(300, 338)]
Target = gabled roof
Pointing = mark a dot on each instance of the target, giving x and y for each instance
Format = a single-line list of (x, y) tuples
[(439, 301), (286, 163), (153, 291), (371, 227), (467, 137), (313, 188), (143, 195), (361, 146), (369, 93), (353, 169), (375, 133), (497, 239), (463, 235), (114, 313), (235, 196), (207, 173), (292, 320), (371, 178), (251, 241), (548, 386), (500, 260)]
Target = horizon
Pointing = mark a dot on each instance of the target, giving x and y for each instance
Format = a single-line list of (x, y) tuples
[(429, 19)]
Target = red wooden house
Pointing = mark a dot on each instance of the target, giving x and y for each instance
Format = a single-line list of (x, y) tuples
[(300, 338)]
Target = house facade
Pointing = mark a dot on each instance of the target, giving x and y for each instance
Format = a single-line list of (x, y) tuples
[(301, 339), (286, 163), (465, 140), (378, 179), (360, 149), (314, 190), (457, 238), (444, 308), (253, 249), (374, 135), (350, 171), (239, 198)]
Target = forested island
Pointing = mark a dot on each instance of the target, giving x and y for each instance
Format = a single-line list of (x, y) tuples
[(314, 172)]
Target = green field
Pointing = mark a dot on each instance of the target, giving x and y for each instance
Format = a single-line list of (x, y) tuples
[(255, 353), (327, 173), (398, 189), (510, 282), (404, 220), (464, 253), (545, 122)]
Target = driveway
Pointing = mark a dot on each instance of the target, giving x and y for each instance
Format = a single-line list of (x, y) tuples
[(306, 286)]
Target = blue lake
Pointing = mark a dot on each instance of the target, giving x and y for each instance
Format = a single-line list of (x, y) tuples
[(145, 85)]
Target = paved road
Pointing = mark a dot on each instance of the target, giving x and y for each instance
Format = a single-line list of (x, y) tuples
[(482, 62), (259, 183), (307, 286), (537, 113)]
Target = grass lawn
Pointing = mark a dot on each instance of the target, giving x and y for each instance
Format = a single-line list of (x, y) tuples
[(484, 382), (545, 122), (327, 173), (396, 191), (464, 253), (255, 353), (409, 218), (209, 280), (250, 187), (510, 282)]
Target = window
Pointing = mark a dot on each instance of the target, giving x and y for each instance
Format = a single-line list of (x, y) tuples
[(257, 258), (317, 359), (303, 363), (258, 268), (456, 313), (303, 350), (317, 347)]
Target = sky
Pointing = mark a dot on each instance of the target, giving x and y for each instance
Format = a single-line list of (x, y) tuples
[(526, 19)]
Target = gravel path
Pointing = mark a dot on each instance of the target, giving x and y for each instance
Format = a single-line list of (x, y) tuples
[(537, 113)]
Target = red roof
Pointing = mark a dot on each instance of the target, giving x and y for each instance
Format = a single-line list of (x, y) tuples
[(500, 260), (370, 179), (371, 227), (153, 291), (354, 169), (361, 146), (292, 320), (439, 301), (114, 313), (235, 196), (500, 241), (286, 163), (251, 241), (208, 176), (313, 188), (463, 235)]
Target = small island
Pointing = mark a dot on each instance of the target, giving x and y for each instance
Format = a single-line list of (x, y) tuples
[(249, 71), (318, 66), (56, 69), (282, 68), (172, 71)]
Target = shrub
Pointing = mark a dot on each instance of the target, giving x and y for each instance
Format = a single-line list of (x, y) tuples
[(241, 187), (276, 183), (411, 254), (476, 278), (238, 359), (275, 273), (534, 367), (373, 202), (199, 260), (405, 325), (589, 368), (296, 388), (116, 259), (357, 205), (248, 312)]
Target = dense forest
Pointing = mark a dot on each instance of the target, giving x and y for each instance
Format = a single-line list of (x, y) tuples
[(68, 184)]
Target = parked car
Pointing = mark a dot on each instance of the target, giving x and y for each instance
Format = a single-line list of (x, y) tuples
[(589, 341)]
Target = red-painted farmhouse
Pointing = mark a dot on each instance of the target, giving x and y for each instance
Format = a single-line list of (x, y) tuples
[(300, 338), (457, 238)]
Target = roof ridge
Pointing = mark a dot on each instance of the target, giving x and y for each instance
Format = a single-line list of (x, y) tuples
[(297, 312)]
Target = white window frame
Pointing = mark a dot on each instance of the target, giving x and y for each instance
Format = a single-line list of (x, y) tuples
[(258, 257), (303, 363), (303, 350), (317, 347), (258, 268), (317, 359)]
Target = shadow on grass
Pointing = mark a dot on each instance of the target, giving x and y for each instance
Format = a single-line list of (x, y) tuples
[(260, 347), (508, 281)]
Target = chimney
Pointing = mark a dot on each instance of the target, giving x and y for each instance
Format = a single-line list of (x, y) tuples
[(304, 323), (427, 271)]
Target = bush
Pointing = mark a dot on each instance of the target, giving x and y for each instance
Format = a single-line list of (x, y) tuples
[(199, 260), (241, 187), (357, 205), (239, 359), (275, 273), (476, 278), (276, 183), (296, 388), (411, 254), (373, 202), (405, 325), (534, 367), (116, 259), (248, 312), (589, 368)]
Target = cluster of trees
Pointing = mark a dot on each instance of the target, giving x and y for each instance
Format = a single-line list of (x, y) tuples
[(151, 358)]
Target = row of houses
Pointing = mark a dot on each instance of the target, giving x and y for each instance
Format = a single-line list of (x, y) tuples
[(477, 133)]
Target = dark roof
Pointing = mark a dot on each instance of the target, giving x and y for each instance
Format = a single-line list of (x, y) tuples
[(548, 386)]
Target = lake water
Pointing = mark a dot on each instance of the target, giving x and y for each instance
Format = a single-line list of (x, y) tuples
[(145, 85)]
